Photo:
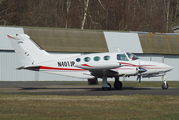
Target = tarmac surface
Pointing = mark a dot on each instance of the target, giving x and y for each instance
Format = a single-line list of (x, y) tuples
[(74, 89)]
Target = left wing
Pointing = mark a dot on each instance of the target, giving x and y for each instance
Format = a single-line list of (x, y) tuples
[(99, 66), (101, 69)]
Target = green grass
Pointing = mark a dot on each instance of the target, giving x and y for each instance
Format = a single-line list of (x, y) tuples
[(137, 107), (123, 107)]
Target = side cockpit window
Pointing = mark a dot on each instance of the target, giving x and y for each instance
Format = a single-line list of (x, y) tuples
[(122, 57)]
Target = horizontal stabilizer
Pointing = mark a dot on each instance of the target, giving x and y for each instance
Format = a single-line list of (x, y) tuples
[(34, 68)]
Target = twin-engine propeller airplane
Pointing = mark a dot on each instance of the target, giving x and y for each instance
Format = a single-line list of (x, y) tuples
[(89, 66)]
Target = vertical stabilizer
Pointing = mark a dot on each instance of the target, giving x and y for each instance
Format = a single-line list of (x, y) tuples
[(27, 50)]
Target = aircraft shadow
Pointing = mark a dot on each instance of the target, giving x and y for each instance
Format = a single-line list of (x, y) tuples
[(40, 88), (90, 89), (122, 89)]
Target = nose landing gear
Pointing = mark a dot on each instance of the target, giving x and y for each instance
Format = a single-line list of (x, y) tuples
[(165, 84)]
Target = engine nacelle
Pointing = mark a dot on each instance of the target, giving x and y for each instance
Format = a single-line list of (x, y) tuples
[(98, 66)]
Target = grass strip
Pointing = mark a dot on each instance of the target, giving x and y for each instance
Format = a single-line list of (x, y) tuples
[(20, 107)]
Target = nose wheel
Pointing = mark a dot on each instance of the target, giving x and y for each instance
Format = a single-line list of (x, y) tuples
[(165, 84)]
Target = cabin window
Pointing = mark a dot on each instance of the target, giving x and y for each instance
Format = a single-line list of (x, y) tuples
[(87, 59), (122, 57), (78, 59), (107, 57), (97, 58)]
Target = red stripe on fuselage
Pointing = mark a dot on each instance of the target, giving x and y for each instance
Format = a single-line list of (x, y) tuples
[(53, 68), (86, 65)]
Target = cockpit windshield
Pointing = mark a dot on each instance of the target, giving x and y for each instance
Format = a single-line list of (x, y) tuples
[(122, 57), (132, 56)]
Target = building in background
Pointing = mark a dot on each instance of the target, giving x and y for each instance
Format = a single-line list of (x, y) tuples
[(148, 46)]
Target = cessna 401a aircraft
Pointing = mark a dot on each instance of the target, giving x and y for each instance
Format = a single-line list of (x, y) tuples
[(89, 66)]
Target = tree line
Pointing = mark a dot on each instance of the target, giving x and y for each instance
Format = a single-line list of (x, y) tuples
[(122, 15)]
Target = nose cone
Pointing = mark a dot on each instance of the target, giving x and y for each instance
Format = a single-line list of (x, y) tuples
[(167, 67)]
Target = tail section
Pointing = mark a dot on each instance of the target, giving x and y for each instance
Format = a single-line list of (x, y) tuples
[(27, 50)]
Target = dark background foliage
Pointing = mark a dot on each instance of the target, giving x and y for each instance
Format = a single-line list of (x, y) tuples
[(122, 15)]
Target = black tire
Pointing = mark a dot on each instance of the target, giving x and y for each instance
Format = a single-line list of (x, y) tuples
[(118, 85), (164, 87), (107, 88)]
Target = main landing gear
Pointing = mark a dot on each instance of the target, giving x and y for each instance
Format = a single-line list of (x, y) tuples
[(117, 83), (165, 84), (107, 86)]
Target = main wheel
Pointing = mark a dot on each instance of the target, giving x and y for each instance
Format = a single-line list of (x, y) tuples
[(118, 85), (107, 88), (165, 87)]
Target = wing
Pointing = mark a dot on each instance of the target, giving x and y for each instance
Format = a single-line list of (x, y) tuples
[(101, 69)]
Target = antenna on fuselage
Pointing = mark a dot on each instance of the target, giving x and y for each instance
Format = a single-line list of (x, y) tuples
[(118, 50)]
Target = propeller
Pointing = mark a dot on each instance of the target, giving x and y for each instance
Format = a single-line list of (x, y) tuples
[(140, 70), (139, 78)]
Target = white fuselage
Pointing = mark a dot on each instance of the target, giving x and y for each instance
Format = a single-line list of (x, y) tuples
[(81, 66)]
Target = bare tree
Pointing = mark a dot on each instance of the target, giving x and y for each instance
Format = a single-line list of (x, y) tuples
[(135, 15), (8, 15), (167, 12), (86, 2), (68, 4)]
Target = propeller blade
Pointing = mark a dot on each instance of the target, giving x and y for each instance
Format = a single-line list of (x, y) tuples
[(140, 70), (139, 79)]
